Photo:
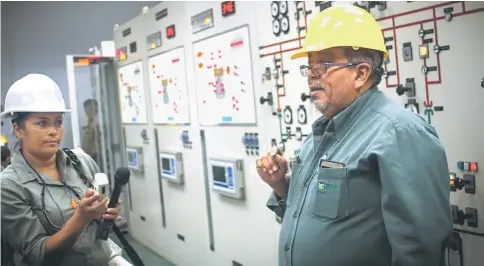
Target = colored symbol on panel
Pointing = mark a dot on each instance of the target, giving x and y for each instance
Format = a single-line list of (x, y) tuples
[(199, 54), (200, 65), (153, 66)]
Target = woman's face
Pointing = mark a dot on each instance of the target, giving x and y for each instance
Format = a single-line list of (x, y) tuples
[(41, 133)]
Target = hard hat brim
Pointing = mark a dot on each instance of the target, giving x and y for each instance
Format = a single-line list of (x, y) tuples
[(4, 113), (299, 54)]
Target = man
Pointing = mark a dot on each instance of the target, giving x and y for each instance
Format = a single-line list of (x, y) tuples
[(90, 137), (370, 185)]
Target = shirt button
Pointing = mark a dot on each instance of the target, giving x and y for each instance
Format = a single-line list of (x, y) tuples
[(287, 248), (295, 215)]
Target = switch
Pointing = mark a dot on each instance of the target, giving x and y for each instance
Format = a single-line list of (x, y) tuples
[(453, 178), (460, 217), (466, 166), (471, 217), (460, 165), (455, 214), (469, 183), (473, 167)]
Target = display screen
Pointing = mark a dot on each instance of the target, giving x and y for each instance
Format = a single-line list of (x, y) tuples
[(219, 174), (131, 157), (165, 164)]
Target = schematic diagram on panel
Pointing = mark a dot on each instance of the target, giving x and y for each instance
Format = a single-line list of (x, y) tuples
[(132, 94), (169, 88), (224, 79)]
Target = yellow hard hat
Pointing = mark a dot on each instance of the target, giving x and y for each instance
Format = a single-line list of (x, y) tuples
[(343, 25)]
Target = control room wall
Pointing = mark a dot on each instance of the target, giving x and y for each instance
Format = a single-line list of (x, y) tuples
[(36, 37)]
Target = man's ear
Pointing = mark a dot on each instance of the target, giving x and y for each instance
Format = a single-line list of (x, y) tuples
[(363, 73)]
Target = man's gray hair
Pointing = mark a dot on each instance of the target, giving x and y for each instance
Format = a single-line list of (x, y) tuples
[(371, 57)]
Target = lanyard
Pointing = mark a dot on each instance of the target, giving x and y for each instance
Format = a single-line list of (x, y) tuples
[(69, 191)]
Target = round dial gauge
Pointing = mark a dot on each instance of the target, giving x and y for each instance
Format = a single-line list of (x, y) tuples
[(274, 9), (276, 27), (285, 24), (283, 7)]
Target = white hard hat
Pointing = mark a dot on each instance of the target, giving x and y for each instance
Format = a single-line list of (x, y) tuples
[(34, 93)]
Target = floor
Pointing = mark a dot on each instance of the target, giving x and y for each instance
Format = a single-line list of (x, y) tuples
[(148, 257)]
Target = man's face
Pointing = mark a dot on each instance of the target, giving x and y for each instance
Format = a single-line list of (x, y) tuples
[(90, 110), (334, 90)]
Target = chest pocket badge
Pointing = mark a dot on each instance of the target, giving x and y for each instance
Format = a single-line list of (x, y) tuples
[(325, 187), (328, 200)]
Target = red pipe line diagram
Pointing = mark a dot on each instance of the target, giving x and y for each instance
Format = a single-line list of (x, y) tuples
[(428, 103)]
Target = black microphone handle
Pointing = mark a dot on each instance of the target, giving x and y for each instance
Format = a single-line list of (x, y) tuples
[(113, 201)]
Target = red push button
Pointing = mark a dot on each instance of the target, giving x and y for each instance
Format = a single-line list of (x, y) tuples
[(473, 167)]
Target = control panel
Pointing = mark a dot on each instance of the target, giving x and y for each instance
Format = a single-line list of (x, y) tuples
[(227, 177), (171, 166), (134, 156)]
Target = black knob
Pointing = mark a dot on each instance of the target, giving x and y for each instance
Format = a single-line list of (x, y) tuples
[(401, 89), (482, 82), (269, 99), (305, 96)]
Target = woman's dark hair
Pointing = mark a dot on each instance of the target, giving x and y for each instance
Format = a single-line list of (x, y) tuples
[(19, 119)]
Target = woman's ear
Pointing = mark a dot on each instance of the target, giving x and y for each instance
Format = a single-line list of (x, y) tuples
[(19, 132)]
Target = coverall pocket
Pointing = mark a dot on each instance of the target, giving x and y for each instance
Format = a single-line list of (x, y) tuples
[(295, 168), (328, 194)]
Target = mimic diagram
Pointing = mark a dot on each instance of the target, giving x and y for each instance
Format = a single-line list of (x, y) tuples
[(224, 79), (168, 88), (131, 94)]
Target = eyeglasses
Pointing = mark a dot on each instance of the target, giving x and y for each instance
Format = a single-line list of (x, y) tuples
[(320, 68)]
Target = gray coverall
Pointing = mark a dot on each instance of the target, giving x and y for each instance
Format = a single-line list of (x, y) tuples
[(24, 225), (386, 204)]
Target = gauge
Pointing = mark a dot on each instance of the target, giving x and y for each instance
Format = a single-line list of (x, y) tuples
[(436, 49), (283, 7), (421, 32), (274, 9), (424, 69), (285, 24), (287, 115), (448, 16), (385, 74), (301, 115), (276, 27)]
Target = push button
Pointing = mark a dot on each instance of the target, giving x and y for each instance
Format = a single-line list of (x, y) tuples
[(473, 167), (460, 165)]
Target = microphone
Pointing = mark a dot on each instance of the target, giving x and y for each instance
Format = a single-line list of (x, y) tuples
[(121, 178)]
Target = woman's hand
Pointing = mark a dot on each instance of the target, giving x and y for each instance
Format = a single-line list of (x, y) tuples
[(112, 213), (92, 206)]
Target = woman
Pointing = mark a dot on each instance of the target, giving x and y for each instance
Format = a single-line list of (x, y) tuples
[(49, 214)]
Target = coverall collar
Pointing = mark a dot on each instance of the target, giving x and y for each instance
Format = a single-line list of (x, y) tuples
[(343, 121), (26, 174)]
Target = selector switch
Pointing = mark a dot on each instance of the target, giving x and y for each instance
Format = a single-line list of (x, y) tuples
[(467, 183), (460, 217)]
